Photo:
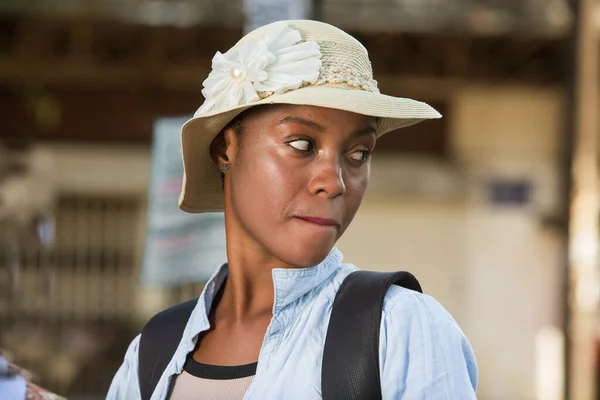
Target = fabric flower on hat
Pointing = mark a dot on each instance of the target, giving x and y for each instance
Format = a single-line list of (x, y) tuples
[(276, 64)]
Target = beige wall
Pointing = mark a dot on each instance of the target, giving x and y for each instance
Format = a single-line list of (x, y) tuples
[(506, 121), (513, 261)]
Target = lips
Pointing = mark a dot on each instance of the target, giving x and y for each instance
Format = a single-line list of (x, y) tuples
[(320, 221)]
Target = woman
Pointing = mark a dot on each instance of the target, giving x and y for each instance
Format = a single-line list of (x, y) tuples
[(282, 144)]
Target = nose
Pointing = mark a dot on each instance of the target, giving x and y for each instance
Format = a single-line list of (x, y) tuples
[(328, 178)]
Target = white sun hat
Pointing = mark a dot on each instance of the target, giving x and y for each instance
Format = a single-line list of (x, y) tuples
[(298, 62)]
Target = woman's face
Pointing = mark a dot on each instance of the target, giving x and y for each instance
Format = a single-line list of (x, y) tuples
[(297, 177)]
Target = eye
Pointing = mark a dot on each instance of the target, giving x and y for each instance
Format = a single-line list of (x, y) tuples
[(302, 144), (360, 156)]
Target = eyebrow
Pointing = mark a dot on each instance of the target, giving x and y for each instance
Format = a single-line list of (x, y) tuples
[(302, 121), (315, 126), (369, 130)]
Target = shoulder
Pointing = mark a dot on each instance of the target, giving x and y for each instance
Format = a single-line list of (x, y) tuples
[(404, 304), (125, 382), (411, 314), (421, 341), (132, 351)]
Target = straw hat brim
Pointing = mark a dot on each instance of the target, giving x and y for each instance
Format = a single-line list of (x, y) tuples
[(202, 187)]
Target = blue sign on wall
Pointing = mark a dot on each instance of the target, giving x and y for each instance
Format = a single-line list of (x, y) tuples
[(179, 247), (511, 192)]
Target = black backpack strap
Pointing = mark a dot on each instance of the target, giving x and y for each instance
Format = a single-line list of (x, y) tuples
[(158, 343), (351, 354)]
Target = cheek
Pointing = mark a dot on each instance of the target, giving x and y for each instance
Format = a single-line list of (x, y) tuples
[(356, 188), (358, 184), (263, 188), (264, 200), (279, 183)]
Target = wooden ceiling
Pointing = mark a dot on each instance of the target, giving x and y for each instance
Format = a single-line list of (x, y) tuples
[(74, 79)]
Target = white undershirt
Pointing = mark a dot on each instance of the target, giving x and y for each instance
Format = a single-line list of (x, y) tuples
[(212, 382), (190, 387)]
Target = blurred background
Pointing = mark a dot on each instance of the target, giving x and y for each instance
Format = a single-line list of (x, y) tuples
[(494, 207)]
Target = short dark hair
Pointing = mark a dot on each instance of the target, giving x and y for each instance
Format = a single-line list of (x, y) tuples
[(237, 125)]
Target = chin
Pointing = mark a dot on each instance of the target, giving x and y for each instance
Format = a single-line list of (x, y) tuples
[(301, 255)]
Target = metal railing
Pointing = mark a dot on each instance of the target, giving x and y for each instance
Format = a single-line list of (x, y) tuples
[(73, 332)]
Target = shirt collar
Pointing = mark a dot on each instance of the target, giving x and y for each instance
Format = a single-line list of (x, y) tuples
[(293, 283), (290, 285)]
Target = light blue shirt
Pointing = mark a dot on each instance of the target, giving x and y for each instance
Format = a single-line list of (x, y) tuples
[(423, 354)]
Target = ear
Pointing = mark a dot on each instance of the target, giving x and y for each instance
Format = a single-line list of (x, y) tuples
[(224, 146)]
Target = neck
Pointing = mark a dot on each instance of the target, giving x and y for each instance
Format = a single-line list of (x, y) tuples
[(249, 292)]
